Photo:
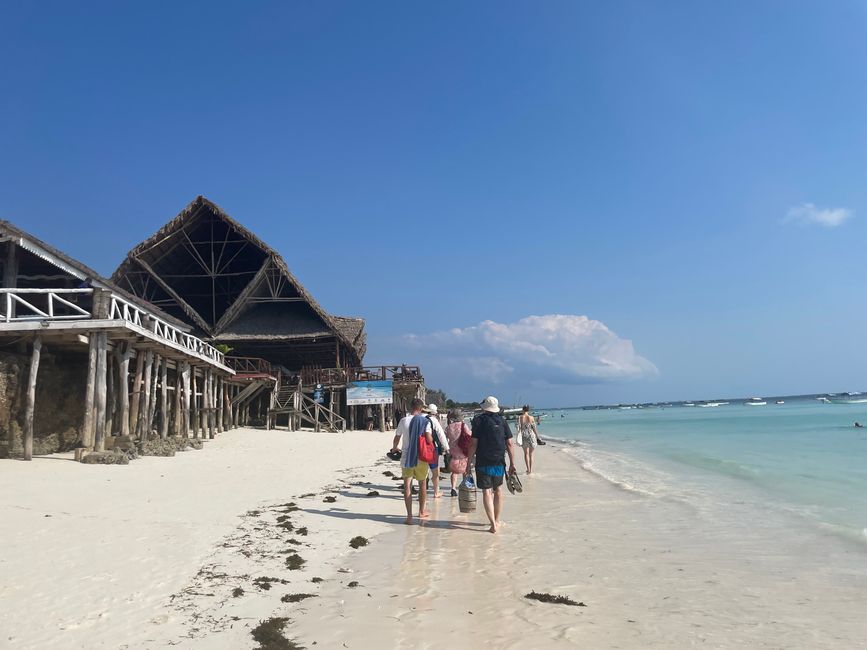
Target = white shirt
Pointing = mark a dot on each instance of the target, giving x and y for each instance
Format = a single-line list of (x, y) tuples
[(440, 433), (403, 432)]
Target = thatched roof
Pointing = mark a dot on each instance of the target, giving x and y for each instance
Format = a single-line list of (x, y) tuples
[(205, 267), (79, 270)]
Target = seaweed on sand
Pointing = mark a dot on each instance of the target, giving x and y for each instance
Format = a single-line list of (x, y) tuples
[(302, 531), (373, 493), (237, 591), (269, 635), (330, 499), (264, 582), (294, 598), (551, 598), (358, 541), (353, 584), (316, 580), (295, 562)]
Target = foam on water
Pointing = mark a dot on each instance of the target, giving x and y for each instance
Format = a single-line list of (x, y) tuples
[(801, 459)]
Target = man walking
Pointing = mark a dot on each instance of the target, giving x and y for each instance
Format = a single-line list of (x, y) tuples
[(492, 439), (410, 429)]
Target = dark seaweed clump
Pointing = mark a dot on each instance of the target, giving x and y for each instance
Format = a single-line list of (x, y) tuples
[(294, 598), (330, 499), (295, 561), (316, 580), (353, 584), (388, 473), (358, 541), (237, 591), (265, 582), (269, 635), (302, 531), (551, 598), (373, 493)]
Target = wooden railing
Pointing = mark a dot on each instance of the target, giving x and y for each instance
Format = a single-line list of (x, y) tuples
[(21, 305), (46, 304), (120, 309), (331, 376), (251, 366)]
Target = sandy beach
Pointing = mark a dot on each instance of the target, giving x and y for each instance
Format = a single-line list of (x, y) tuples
[(148, 555), (197, 550)]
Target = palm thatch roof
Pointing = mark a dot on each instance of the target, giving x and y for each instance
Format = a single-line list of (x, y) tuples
[(72, 270), (209, 270)]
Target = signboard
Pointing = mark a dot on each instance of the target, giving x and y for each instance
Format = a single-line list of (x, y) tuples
[(369, 392)]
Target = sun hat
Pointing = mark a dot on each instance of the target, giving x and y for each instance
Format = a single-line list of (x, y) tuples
[(432, 408), (490, 404)]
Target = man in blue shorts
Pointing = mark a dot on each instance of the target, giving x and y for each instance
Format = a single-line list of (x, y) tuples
[(492, 440)]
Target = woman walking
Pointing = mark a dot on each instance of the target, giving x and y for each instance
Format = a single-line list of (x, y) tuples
[(458, 435), (527, 437)]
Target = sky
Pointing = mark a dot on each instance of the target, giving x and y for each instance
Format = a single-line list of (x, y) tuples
[(560, 203)]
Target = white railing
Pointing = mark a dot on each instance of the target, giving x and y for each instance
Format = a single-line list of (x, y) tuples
[(123, 310), (22, 305), (51, 304)]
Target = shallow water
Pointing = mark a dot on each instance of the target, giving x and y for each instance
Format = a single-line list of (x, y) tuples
[(802, 459)]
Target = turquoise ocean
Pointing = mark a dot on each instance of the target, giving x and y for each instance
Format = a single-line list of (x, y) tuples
[(802, 460)]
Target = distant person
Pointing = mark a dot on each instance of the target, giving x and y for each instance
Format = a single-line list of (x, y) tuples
[(527, 437), (368, 418), (459, 437), (491, 441), (410, 429), (858, 425), (442, 445)]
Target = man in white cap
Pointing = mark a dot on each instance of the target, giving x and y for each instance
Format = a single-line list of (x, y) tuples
[(492, 440), (442, 444)]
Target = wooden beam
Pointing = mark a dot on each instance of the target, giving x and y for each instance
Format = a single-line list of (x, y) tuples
[(164, 405), (192, 313), (124, 353), (143, 431), (99, 435), (185, 378), (87, 430), (136, 393), (235, 308), (31, 399), (194, 406)]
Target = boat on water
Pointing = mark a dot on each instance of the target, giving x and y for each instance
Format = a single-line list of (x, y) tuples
[(847, 400), (779, 401), (755, 401), (689, 403), (713, 404)]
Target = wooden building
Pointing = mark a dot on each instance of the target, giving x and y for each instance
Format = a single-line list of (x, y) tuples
[(83, 361), (237, 293)]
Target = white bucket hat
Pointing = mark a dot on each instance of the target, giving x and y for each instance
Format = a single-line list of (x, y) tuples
[(491, 404), (432, 408)]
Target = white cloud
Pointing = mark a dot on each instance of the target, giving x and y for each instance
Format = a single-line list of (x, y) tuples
[(808, 214), (555, 349)]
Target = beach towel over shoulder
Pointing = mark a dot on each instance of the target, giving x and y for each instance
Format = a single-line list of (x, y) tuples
[(411, 428)]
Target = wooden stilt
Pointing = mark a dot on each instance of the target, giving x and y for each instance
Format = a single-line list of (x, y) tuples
[(87, 431), (143, 429), (135, 405), (31, 398), (195, 407), (152, 400), (220, 405), (185, 378), (178, 413), (207, 405), (382, 417), (110, 395), (164, 396), (123, 357), (100, 390)]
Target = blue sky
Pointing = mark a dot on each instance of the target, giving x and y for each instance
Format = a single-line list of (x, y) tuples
[(435, 166)]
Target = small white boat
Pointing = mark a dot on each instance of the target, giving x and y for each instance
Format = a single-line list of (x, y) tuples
[(755, 401), (779, 401), (689, 403)]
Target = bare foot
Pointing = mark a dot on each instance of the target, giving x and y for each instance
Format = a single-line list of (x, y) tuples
[(437, 495), (408, 521), (424, 515), (493, 528)]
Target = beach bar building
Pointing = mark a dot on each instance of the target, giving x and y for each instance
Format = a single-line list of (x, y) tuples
[(293, 361), (85, 364)]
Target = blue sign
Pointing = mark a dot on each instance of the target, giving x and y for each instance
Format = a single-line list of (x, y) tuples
[(359, 393)]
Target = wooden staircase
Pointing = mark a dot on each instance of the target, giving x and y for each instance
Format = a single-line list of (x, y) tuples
[(302, 411)]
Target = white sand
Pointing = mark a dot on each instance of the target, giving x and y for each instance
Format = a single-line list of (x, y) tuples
[(652, 574), (146, 555)]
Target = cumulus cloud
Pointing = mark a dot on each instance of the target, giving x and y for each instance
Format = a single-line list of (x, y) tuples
[(808, 214), (552, 349)]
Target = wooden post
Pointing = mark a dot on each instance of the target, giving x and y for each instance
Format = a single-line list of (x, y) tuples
[(101, 346), (87, 433), (195, 407), (110, 392), (382, 417), (136, 393), (143, 430), (152, 400), (177, 400), (124, 353), (207, 402), (185, 378), (164, 398), (31, 399), (220, 405)]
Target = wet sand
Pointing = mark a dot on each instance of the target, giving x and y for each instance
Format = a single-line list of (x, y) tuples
[(652, 574)]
